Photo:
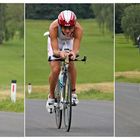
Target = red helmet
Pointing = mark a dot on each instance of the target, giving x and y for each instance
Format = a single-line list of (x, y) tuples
[(67, 18)]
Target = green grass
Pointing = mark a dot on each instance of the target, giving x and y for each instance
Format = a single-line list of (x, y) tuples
[(97, 47), (12, 62), (126, 58), (12, 68), (125, 79), (88, 95), (126, 54), (96, 95), (36, 95), (7, 105)]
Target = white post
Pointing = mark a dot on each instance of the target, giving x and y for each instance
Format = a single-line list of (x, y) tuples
[(29, 88), (13, 90)]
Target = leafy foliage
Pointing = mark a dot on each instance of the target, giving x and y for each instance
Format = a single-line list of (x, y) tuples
[(104, 15), (12, 21), (2, 9), (51, 11), (131, 22), (119, 11)]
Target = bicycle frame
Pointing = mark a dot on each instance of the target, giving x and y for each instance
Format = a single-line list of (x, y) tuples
[(64, 71), (64, 103)]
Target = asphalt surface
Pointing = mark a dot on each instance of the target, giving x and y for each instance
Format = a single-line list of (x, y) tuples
[(127, 109), (11, 124), (89, 118)]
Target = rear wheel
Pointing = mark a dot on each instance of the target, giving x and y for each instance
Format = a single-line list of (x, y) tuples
[(67, 108), (58, 111)]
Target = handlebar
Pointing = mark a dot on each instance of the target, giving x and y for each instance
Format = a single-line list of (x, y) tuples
[(84, 59)]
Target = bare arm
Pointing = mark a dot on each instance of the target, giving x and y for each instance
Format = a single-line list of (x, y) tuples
[(77, 39), (53, 37)]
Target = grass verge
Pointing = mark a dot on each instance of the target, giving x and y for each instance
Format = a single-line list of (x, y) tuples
[(126, 79), (36, 95), (7, 105), (128, 76), (88, 95), (96, 95)]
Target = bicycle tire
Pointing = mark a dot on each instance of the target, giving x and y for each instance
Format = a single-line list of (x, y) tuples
[(67, 108), (58, 111)]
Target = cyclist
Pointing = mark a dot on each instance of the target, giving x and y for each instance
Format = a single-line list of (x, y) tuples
[(63, 30)]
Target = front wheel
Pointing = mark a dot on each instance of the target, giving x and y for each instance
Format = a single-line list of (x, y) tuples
[(67, 108), (58, 111)]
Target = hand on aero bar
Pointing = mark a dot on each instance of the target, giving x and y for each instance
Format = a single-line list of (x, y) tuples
[(72, 55), (63, 54)]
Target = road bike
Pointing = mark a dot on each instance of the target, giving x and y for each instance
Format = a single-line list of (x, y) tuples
[(63, 91), (63, 94)]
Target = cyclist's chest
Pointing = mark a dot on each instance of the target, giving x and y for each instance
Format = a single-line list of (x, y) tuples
[(61, 36)]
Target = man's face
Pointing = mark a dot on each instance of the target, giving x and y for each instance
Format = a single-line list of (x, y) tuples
[(67, 30)]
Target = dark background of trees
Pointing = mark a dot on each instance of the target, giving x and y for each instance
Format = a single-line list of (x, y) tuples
[(51, 11), (11, 21), (119, 11), (127, 20)]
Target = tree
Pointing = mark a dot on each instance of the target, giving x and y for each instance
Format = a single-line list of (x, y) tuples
[(104, 16), (51, 11), (119, 11), (2, 21), (11, 21), (131, 22), (14, 20)]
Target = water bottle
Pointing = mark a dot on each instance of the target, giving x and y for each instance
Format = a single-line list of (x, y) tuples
[(61, 88)]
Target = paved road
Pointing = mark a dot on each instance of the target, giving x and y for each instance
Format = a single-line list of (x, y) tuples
[(127, 109), (11, 124), (90, 118)]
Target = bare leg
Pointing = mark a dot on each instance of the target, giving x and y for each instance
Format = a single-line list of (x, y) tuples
[(73, 74), (53, 77)]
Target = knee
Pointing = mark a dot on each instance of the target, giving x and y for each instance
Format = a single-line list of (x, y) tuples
[(56, 71), (71, 66)]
